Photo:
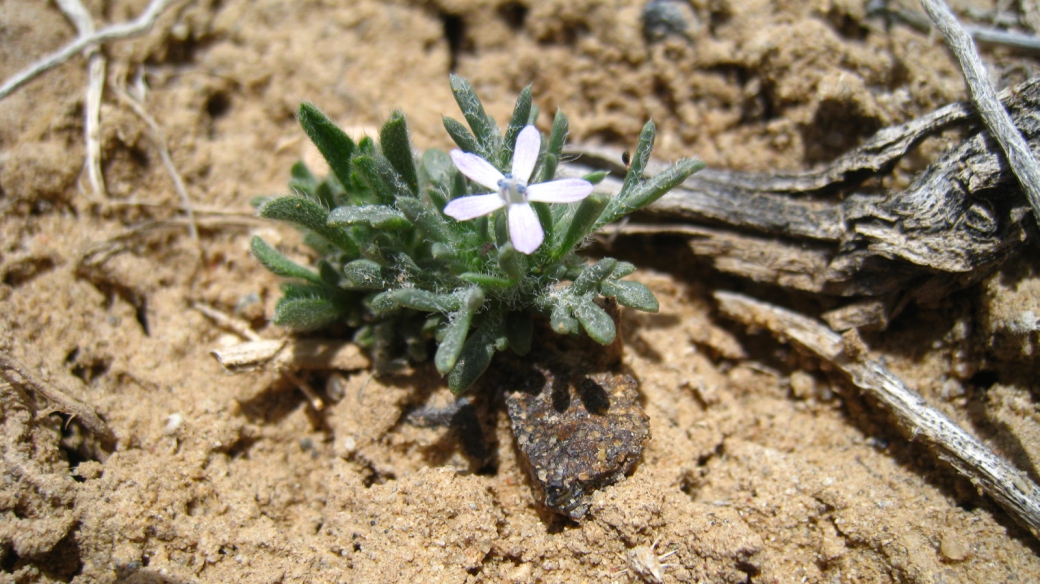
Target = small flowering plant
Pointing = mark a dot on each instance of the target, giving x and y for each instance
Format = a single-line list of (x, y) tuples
[(414, 252)]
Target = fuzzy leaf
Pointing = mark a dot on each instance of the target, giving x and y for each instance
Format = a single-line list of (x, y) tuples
[(309, 215), (484, 129), (378, 216), (586, 215), (366, 275), (656, 187), (637, 164), (366, 169), (393, 138), (554, 149), (432, 224), (561, 320), (454, 338), (631, 294), (521, 112), (592, 275), (328, 274), (304, 314), (417, 299), (461, 135), (596, 322), (596, 177), (486, 280), (623, 269), (302, 181), (648, 191), (383, 304), (476, 355), (279, 264), (512, 262), (331, 141), (436, 174)]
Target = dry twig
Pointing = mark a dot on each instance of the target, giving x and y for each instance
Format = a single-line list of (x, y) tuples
[(140, 25), (982, 34), (1021, 159), (992, 475), (84, 23), (18, 374), (164, 154), (285, 355)]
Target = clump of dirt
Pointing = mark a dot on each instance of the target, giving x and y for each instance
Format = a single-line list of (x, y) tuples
[(762, 467)]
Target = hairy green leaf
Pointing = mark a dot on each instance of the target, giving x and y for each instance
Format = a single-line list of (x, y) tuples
[(484, 129), (454, 338), (378, 216), (631, 294), (561, 320), (279, 264), (309, 215), (367, 275), (417, 299), (516, 123), (554, 149), (393, 138), (476, 354), (304, 314), (487, 281), (332, 142), (461, 135), (592, 275), (596, 322), (580, 225)]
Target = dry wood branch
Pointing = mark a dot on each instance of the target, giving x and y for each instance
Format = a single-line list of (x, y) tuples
[(824, 231), (18, 374), (1009, 487), (140, 25), (997, 119)]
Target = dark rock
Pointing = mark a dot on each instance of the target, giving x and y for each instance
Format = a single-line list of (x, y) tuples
[(577, 433)]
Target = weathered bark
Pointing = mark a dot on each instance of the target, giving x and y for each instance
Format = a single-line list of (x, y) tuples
[(826, 231)]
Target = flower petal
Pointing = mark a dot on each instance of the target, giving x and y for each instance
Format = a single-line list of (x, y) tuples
[(564, 190), (476, 168), (466, 208), (525, 231), (525, 154)]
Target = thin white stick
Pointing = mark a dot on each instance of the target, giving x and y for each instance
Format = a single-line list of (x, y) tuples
[(996, 118), (991, 474), (141, 24), (164, 154), (84, 23)]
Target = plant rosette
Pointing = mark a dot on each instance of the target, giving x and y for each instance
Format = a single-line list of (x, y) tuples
[(459, 252)]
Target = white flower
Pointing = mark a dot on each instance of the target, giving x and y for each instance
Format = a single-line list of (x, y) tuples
[(525, 231)]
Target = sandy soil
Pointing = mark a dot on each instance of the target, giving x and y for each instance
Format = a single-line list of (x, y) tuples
[(762, 468)]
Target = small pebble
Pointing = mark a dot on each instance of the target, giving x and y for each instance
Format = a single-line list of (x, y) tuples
[(953, 548)]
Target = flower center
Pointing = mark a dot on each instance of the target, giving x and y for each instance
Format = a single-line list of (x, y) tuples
[(513, 191)]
